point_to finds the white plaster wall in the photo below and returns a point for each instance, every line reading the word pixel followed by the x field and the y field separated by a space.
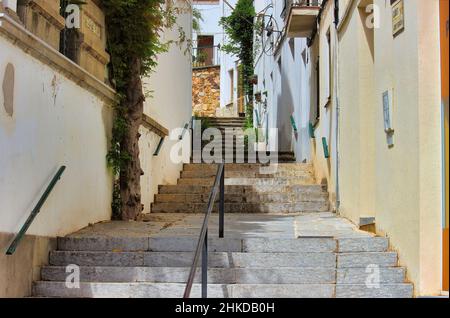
pixel 170 104
pixel 285 75
pixel 55 122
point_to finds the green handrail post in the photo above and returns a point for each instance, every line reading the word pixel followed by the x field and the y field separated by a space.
pixel 311 131
pixel 258 123
pixel 294 125
pixel 326 151
pixel 158 148
pixel 12 248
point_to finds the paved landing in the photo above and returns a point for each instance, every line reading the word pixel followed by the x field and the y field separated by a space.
pixel 236 226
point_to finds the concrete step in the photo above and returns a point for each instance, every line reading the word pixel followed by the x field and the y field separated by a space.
pixel 381 291
pixel 387 275
pixel 188 244
pixel 229 244
pixel 240 189
pixel 245 198
pixel 180 275
pixel 231 157
pixel 224 119
pixel 184 259
pixel 249 167
pixel 158 290
pixel 281 181
pixel 381 259
pixel 281 208
pixel 165 290
pixel 369 244
pixel 245 174
pixel 227 125
pixel 123 290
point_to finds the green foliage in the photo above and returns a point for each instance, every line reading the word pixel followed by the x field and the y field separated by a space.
pixel 239 27
pixel 133 32
pixel 204 121
pixel 196 19
pixel 201 57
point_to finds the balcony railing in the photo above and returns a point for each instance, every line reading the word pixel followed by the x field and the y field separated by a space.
pixel 205 56
pixel 288 4
pixel 300 16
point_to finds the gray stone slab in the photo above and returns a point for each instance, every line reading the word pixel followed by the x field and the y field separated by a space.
pixel 274 260
pixel 282 291
pixel 180 275
pixel 139 274
pixel 184 259
pixel 293 245
pixel 124 290
pixel 384 291
pixel 126 244
pixel 286 207
pixel 369 244
pixel 188 244
pixel 349 260
pixel 388 275
pixel 82 258
pixel 299 275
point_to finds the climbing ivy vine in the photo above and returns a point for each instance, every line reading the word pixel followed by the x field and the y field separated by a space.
pixel 134 42
pixel 239 27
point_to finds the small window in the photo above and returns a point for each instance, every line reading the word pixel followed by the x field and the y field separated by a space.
pixel 70 39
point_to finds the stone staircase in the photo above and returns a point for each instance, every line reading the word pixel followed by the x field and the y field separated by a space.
pixel 236 126
pixel 270 249
pixel 289 189
pixel 304 267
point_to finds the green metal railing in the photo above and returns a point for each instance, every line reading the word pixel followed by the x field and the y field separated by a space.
pixel 12 248
pixel 159 146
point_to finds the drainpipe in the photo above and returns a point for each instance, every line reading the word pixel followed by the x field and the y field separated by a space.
pixel 336 97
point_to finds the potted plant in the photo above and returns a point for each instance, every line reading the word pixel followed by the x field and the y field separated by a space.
pixel 254 80
pixel 258 97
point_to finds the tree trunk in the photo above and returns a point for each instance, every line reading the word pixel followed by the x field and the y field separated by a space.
pixel 130 175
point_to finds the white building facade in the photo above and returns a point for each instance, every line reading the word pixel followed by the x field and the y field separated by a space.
pixel 211 39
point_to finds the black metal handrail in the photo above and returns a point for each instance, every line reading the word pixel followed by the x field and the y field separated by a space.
pixel 202 245
pixel 12 248
pixel 288 4
pixel 205 56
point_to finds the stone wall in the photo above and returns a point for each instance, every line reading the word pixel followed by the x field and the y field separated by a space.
pixel 206 91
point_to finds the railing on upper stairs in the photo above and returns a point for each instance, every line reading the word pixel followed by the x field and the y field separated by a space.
pixel 13 246
pixel 202 245
pixel 205 56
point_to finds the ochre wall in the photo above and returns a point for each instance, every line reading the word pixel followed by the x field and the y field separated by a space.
pixel 206 91
pixel 444 18
pixel 401 185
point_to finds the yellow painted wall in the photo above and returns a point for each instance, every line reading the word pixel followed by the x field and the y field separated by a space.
pixel 444 18
pixel 325 169
pixel 356 96
pixel 401 186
